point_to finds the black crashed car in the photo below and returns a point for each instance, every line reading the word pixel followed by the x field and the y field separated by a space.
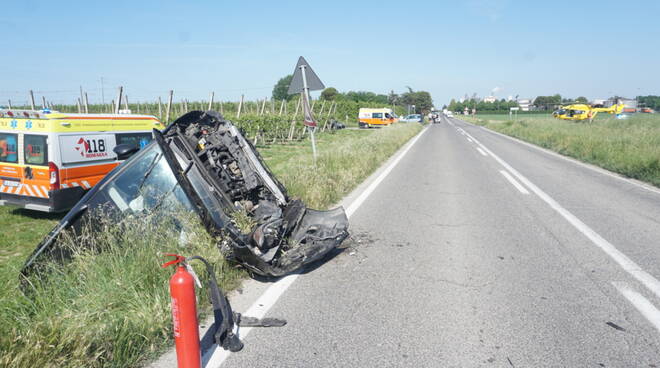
pixel 203 164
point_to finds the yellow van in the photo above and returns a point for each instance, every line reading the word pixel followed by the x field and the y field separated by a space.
pixel 376 117
pixel 48 160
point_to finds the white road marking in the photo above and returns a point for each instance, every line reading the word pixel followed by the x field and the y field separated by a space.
pixel 267 300
pixel 216 356
pixel 643 305
pixel 624 262
pixel 482 151
pixel 513 181
pixel 470 140
pixel 578 162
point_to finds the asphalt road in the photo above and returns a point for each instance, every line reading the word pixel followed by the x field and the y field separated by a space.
pixel 477 250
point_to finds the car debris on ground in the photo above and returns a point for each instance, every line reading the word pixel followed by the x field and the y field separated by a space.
pixel 202 163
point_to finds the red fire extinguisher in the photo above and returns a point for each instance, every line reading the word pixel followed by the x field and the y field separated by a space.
pixel 184 314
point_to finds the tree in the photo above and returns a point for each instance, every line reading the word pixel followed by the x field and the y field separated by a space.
pixel 329 93
pixel 281 89
pixel 421 99
pixel 364 96
pixel 393 98
pixel 650 101
pixel 581 99
pixel 546 102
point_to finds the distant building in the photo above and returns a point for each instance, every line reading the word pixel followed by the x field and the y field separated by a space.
pixel 525 104
pixel 490 99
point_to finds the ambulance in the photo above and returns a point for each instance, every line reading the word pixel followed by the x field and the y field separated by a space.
pixel 48 159
pixel 376 117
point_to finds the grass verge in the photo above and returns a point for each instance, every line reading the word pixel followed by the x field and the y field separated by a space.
pixel 630 147
pixel 111 309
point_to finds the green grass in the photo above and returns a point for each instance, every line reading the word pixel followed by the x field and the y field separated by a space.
pixel 111 309
pixel 629 147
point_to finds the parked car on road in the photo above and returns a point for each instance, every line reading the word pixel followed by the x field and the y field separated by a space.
pixel 412 118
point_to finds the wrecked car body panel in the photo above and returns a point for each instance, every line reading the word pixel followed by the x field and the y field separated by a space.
pixel 202 163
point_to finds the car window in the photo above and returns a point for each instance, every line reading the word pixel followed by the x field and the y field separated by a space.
pixel 147 184
pixel 8 148
pixel 139 140
pixel 377 115
pixel 35 149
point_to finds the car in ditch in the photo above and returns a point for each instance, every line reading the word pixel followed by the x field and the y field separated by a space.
pixel 202 163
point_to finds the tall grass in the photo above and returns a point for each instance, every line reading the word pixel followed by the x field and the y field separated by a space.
pixel 630 147
pixel 107 309
pixel 345 159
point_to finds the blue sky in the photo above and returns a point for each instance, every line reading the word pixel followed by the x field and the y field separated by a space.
pixel 449 48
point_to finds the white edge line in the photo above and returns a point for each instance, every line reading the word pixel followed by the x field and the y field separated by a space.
pixel 482 151
pixel 643 305
pixel 626 263
pixel 215 357
pixel 597 169
pixel 513 181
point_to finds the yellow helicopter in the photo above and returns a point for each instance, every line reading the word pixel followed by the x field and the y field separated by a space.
pixel 580 112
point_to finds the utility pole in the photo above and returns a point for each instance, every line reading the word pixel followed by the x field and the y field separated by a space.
pixel 211 101
pixel 160 109
pixel 169 107
pixel 31 100
pixel 118 100
pixel 240 106
pixel 306 91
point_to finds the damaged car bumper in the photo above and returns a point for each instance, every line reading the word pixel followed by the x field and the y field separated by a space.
pixel 202 163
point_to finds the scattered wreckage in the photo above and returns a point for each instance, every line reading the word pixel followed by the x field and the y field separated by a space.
pixel 202 162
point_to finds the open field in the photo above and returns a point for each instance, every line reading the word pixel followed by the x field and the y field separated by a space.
pixel 112 309
pixel 629 147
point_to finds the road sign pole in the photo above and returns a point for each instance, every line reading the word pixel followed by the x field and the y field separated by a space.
pixel 311 129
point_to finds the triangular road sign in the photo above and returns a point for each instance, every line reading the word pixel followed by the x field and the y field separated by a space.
pixel 313 81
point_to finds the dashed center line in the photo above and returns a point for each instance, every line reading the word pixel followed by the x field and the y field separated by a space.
pixel 643 305
pixel 514 182
pixel 482 151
